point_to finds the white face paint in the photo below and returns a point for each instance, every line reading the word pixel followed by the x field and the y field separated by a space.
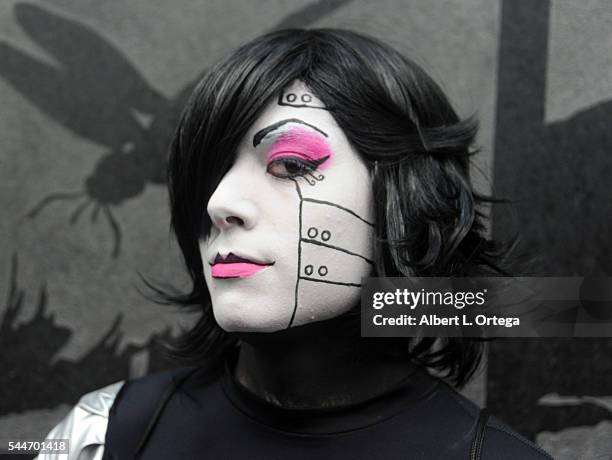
pixel 294 214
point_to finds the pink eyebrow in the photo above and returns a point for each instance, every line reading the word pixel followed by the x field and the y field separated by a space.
pixel 303 143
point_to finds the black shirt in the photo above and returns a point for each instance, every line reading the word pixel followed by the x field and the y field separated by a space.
pixel 182 414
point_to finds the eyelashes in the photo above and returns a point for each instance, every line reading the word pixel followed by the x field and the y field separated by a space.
pixel 291 167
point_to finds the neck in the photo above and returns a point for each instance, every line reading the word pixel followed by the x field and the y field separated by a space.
pixel 322 364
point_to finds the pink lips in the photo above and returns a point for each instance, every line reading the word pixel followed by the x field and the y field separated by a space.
pixel 233 266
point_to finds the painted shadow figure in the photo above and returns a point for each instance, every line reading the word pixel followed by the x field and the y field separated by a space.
pixel 33 376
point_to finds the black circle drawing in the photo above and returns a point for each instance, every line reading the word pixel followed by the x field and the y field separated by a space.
pixel 291 97
pixel 308 269
pixel 312 232
pixel 325 235
pixel 306 98
pixel 322 270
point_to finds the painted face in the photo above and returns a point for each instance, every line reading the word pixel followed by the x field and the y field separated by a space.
pixel 292 222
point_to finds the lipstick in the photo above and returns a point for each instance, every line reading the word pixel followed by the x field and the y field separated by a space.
pixel 233 266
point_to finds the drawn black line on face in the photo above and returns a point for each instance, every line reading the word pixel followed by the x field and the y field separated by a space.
pixel 300 99
pixel 328 282
pixel 299 262
pixel 309 269
pixel 329 203
pixel 313 178
pixel 262 133
pixel 337 248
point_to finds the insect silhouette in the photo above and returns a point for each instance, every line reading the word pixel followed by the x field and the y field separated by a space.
pixel 96 92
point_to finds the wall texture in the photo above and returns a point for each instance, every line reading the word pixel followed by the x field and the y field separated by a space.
pixel 90 93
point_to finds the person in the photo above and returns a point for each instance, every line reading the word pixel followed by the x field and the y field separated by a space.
pixel 302 163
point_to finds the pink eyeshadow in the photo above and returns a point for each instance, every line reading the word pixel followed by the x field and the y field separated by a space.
pixel 303 143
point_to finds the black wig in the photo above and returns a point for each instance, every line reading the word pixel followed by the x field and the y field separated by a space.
pixel 429 220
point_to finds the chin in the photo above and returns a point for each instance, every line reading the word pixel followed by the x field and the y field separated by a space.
pixel 233 319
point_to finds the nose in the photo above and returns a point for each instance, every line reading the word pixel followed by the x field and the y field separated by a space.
pixel 231 205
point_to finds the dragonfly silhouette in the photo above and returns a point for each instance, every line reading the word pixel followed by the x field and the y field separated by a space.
pixel 95 92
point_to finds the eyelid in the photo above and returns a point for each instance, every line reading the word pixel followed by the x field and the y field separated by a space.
pixel 305 149
pixel 289 154
pixel 313 163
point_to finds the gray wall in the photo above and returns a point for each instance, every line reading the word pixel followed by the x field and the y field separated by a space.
pixel 90 90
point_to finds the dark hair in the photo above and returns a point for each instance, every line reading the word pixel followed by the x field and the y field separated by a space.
pixel 428 217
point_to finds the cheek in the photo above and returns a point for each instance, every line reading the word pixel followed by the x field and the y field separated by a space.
pixel 264 302
pixel 336 253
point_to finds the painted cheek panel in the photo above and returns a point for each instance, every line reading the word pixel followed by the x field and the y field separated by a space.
pixel 328 266
pixel 339 229
pixel 325 301
pixel 329 272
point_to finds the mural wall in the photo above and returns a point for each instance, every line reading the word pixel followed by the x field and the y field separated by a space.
pixel 90 94
pixel 553 155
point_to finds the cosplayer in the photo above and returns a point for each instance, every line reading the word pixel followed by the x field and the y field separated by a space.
pixel 305 161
